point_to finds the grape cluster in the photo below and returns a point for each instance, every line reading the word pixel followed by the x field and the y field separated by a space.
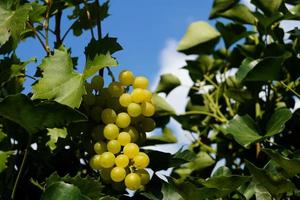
pixel 122 113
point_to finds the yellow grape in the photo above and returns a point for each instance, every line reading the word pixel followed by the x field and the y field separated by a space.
pixel 95 162
pixel 140 82
pixel 122 160
pixel 137 95
pixel 125 99
pixel 113 146
pixel 147 95
pixel 115 89
pixel 108 116
pixel 134 109
pixel 126 77
pixel 145 176
pixel 118 174
pixel 107 160
pixel 123 120
pixel 97 82
pixel 111 131
pixel 133 181
pixel 124 138
pixel 148 109
pixel 141 160
pixel 100 147
pixel 131 150
pixel 134 134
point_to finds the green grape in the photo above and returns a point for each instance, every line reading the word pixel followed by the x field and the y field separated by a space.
pixel 145 177
pixel 100 147
pixel 124 138
pixel 125 99
pixel 115 89
pixel 105 175
pixel 141 160
pixel 97 133
pixel 113 146
pixel 148 109
pixel 96 113
pixel 89 99
pixel 108 116
pixel 118 186
pixel 134 134
pixel 111 131
pixel 137 95
pixel 97 82
pixel 126 77
pixel 118 174
pixel 114 104
pixel 88 88
pixel 95 162
pixel 147 124
pixel 134 109
pixel 133 181
pixel 140 82
pixel 123 120
pixel 142 138
pixel 107 160
pixel 122 160
pixel 131 150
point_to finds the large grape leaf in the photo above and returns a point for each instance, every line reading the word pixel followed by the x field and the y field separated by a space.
pixel 61 191
pixel 37 116
pixel 13 22
pixel 277 121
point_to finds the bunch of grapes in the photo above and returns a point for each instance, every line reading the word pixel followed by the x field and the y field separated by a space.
pixel 122 113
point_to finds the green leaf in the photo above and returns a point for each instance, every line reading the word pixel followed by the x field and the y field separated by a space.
pixel 239 13
pixel 229 183
pixel 200 37
pixel 261 193
pixel 103 46
pixel 169 192
pixel 39 11
pixel 60 81
pixel 243 129
pixel 2 135
pixel 277 121
pixel 37 116
pixel 162 107
pixel 167 83
pixel 54 134
pixel 4 155
pixel 108 198
pixel 220 6
pixel 247 65
pixel 291 166
pixel 61 191
pixel 181 157
pixel 275 187
pixel 13 23
pixel 268 6
pixel 222 171
pixel 167 136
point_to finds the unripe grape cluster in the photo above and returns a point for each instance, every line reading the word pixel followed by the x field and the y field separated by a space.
pixel 122 114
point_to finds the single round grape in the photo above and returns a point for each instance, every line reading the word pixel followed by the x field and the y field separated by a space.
pixel 88 88
pixel 147 124
pixel 137 95
pixel 134 134
pixel 133 181
pixel 115 89
pixel 100 147
pixel 111 131
pixel 123 120
pixel 108 116
pixel 96 113
pixel 131 150
pixel 147 95
pixel 124 138
pixel 113 146
pixel 97 82
pixel 148 109
pixel 89 99
pixel 103 97
pixel 97 133
pixel 95 162
pixel 107 160
pixel 140 82
pixel 126 77
pixel 141 160
pixel 122 160
pixel 118 174
pixel 134 109
pixel 145 176
pixel 125 99
pixel 114 104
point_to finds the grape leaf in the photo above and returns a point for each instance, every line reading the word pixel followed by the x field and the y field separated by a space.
pixel 61 191
pixel 54 134
pixel 3 159
pixel 34 116
pixel 167 83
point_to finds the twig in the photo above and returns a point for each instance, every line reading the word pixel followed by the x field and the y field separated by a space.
pixel 289 88
pixel 98 22
pixel 111 74
pixel 38 37
pixel 57 28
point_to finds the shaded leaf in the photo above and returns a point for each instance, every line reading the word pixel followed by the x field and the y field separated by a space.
pixel 229 183
pixel 268 6
pixel 167 136
pixel 222 171
pixel 61 191
pixel 277 121
pixel 4 155
pixel 200 37
pixel 243 129
pixel 181 157
pixel 162 107
pixel 234 14
pixel 169 192
pixel 167 83
pixel 37 116
pixel 54 134
pixel 220 6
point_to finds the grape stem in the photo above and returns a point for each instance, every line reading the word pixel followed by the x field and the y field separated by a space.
pixel 111 74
